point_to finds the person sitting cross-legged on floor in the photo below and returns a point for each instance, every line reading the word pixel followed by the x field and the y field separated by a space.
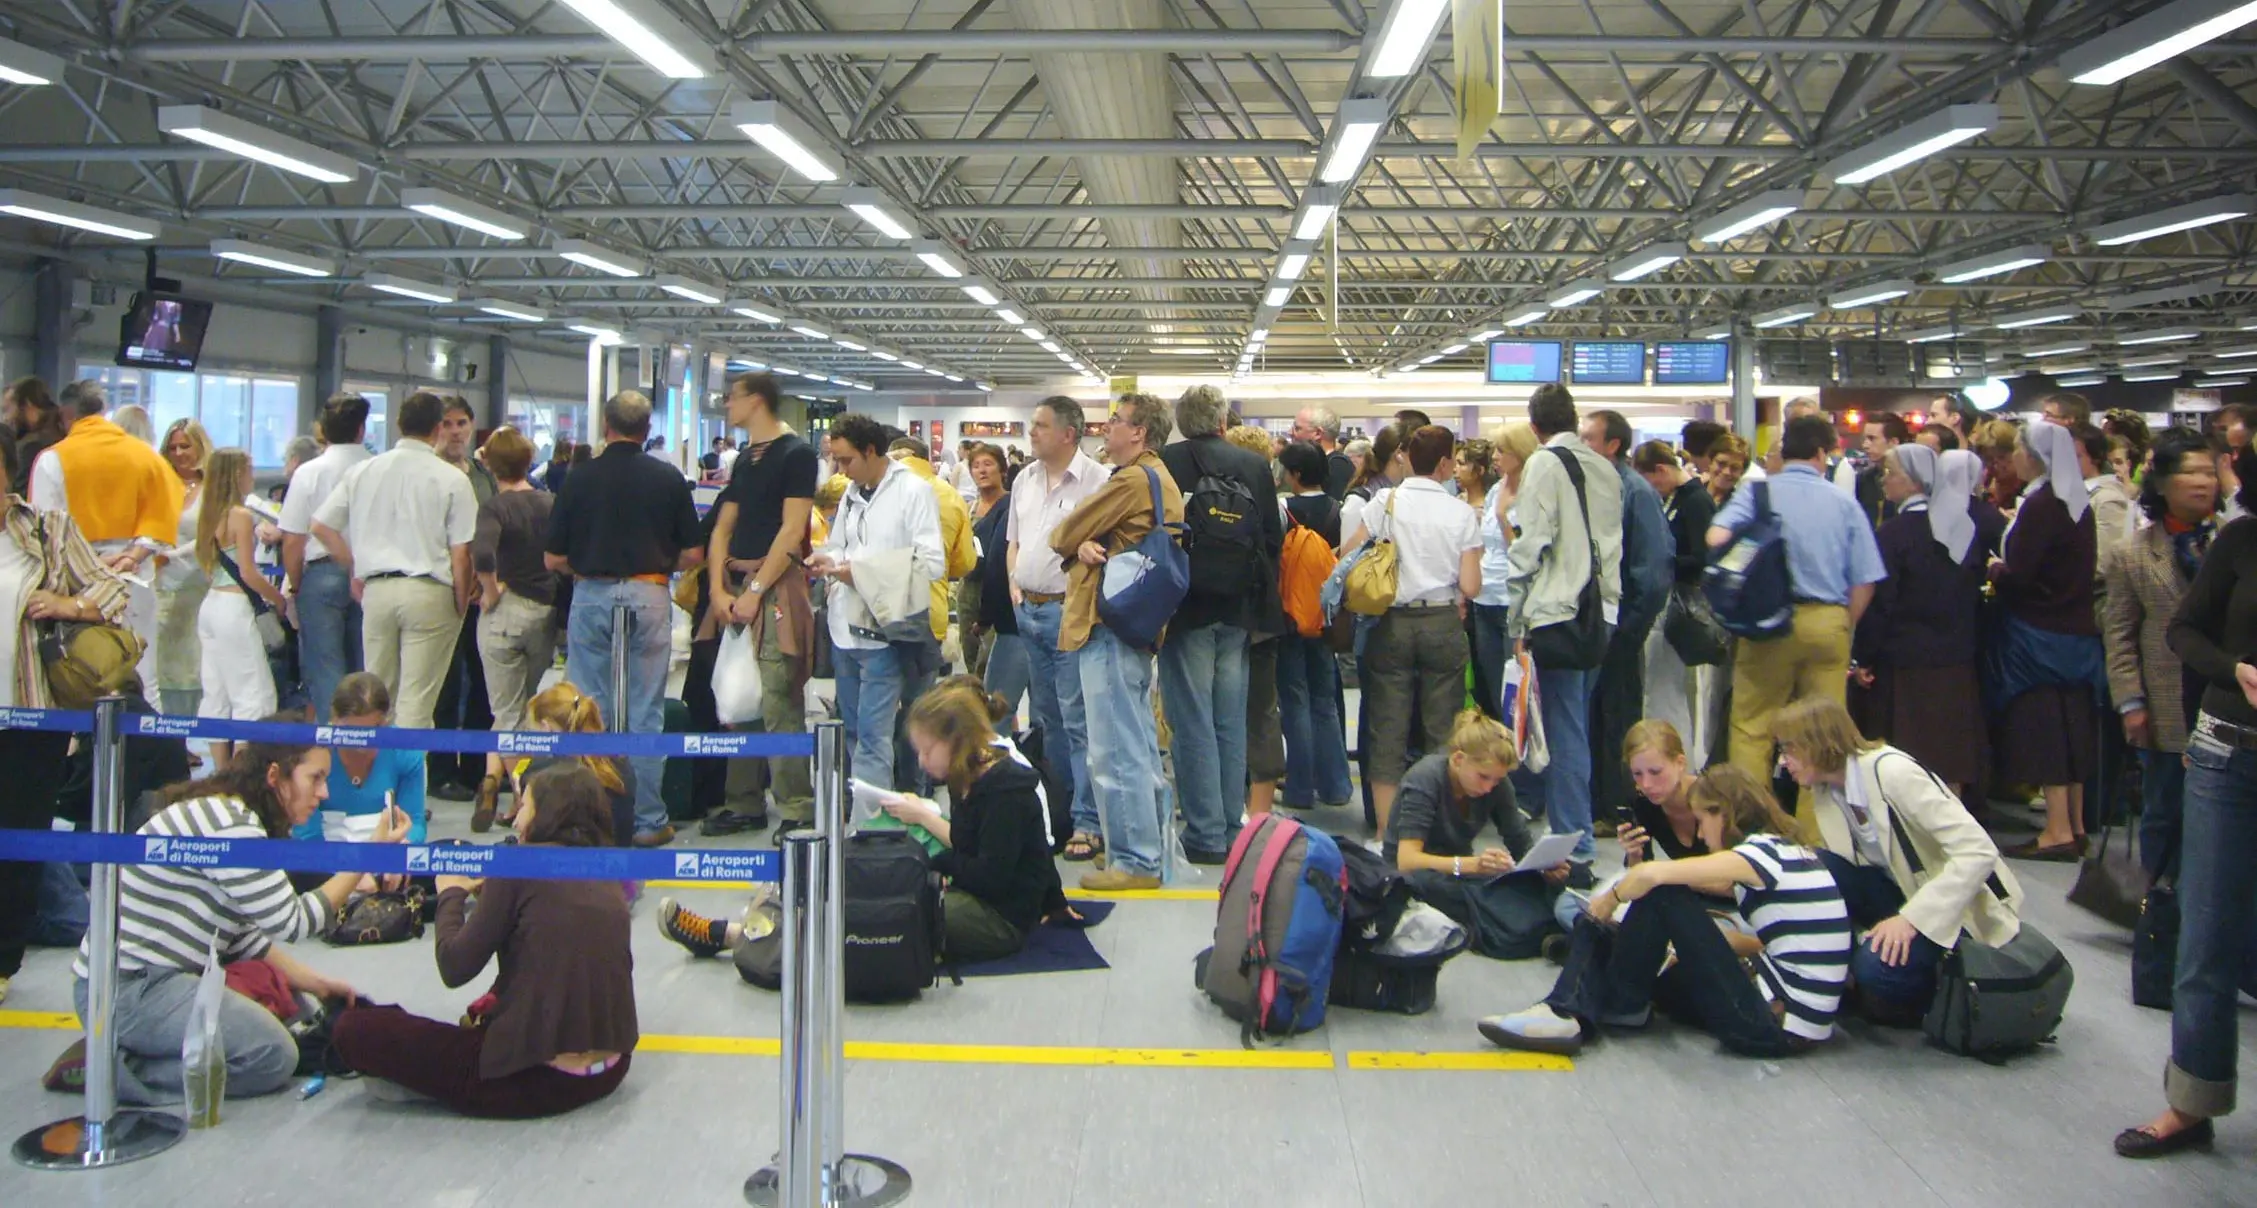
pixel 558 1029
pixel 1445 799
pixel 1615 975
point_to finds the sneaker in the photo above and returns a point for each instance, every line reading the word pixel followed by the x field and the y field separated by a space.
pixel 701 935
pixel 655 838
pixel 1539 1029
pixel 68 1074
pixel 1114 880
pixel 730 822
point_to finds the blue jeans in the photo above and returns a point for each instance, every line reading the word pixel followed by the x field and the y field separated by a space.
pixel 1054 684
pixel 1564 787
pixel 650 645
pixel 2217 921
pixel 1308 705
pixel 1614 974
pixel 1124 752
pixel 1872 896
pixel 2162 784
pixel 1008 672
pixel 1203 685
pixel 150 1021
pixel 328 631
pixel 869 692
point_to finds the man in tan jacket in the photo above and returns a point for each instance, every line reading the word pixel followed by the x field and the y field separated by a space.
pixel 1116 679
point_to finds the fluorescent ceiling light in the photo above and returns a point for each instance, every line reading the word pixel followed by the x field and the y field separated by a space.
pixel 911 365
pixel 2163 34
pixel 1354 129
pixel 938 259
pixel 1866 295
pixel 1295 261
pixel 1403 39
pixel 862 385
pixel 983 385
pixel 2079 367
pixel 1453 350
pixel 2152 377
pixel 504 308
pixel 883 356
pixel 1994 265
pixel 463 212
pixel 597 257
pixel 2079 383
pixel 691 288
pixel 1576 294
pixel 786 369
pixel 1784 316
pixel 812 333
pixel 1525 318
pixel 600 334
pixel 1929 335
pixel 753 312
pixel 850 345
pixel 2160 335
pixel 1911 143
pixel 786 137
pixel 2150 362
pixel 247 252
pixel 2173 220
pixel 1318 207
pixel 1759 211
pixel 408 287
pixel 740 364
pixel 936 371
pixel 2017 320
pixel 814 377
pixel 954 377
pixel 28 66
pixel 1648 262
pixel 871 206
pixel 1051 347
pixel 2169 293
pixel 1714 333
pixel 2224 381
pixel 2228 354
pixel 254 142
pixel 647 31
pixel 1279 295
pixel 980 294
pixel 1482 337
pixel 1033 333
pixel 1010 316
pixel 1429 360
pixel 2058 351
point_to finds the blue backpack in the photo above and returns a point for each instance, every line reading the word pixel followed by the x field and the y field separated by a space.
pixel 1142 586
pixel 1277 928
pixel 1747 582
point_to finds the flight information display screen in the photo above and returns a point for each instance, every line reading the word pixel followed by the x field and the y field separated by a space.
pixel 1607 362
pixel 1693 363
pixel 1517 361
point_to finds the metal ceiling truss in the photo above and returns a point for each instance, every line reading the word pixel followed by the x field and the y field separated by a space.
pixel 1620 129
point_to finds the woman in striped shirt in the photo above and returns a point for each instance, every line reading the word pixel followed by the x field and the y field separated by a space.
pixel 170 917
pixel 1780 1001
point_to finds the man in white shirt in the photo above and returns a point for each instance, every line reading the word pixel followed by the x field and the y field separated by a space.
pixel 400 525
pixel 1550 562
pixel 887 510
pixel 321 591
pixel 1047 491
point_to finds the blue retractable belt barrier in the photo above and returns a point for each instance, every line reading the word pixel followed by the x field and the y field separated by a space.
pixel 512 861
pixel 390 738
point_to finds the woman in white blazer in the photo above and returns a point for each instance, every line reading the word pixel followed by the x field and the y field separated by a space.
pixel 1911 908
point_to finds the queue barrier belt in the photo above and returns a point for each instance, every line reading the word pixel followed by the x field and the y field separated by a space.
pixel 529 743
pixel 509 861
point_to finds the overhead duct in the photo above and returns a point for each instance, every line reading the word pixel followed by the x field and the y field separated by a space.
pixel 1115 95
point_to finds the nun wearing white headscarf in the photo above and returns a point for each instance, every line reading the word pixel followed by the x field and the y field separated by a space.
pixel 1915 683
pixel 2046 665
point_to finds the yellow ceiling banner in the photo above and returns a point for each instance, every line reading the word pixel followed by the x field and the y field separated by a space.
pixel 1477 46
pixel 1122 383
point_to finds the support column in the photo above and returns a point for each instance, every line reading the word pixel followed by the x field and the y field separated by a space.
pixel 497 382
pixel 51 352
pixel 595 394
pixel 328 356
pixel 1743 387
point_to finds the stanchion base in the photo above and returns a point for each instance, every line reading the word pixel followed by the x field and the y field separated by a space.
pixel 864 1182
pixel 130 1136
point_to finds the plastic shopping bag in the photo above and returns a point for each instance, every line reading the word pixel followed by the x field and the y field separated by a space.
pixel 736 677
pixel 203 1057
pixel 1523 714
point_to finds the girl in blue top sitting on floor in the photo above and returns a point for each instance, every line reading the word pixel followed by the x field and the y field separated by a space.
pixel 363 781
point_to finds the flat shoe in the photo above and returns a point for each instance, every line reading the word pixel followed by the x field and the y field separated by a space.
pixel 2140 1143
pixel 482 813
pixel 2052 853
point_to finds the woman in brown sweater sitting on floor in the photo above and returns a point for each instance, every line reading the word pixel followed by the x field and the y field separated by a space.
pixel 557 1030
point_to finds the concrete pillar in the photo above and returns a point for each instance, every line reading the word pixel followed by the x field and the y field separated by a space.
pixel 52 357
pixel 497 382
pixel 1743 386
pixel 328 361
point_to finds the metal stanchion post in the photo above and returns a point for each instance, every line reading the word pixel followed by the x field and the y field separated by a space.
pixel 814 1032
pixel 620 619
pixel 104 1136
pixel 795 1179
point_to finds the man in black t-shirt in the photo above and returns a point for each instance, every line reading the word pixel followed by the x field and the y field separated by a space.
pixel 757 576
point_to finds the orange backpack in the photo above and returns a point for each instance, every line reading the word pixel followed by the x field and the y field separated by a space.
pixel 1303 564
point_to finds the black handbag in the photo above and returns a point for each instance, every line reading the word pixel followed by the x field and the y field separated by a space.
pixel 2112 884
pixel 2155 947
pixel 391 917
pixel 1689 625
pixel 1580 642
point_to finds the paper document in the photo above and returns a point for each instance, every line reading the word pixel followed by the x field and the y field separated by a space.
pixel 1548 853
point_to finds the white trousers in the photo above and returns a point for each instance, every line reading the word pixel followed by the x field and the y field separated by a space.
pixel 238 683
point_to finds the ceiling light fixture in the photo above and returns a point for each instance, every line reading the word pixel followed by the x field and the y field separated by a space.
pixel 1784 316
pixel 606 336
pixel 1355 127
pixel 871 206
pixel 2079 382
pixel 911 365
pixel 2174 220
pixel 1759 211
pixel 1911 143
pixel 2150 362
pixel 1483 337
pixel 647 31
pixel 463 212
pixel 849 345
pixel 2016 320
pixel 1404 37
pixel 28 66
pixel 1278 296
pixel 255 142
pixel 1866 295
pixel 752 311
pixel 786 137
pixel 408 287
pixel 2061 350
pixel 506 309
pixel 1033 333
pixel 980 293
pixel 1295 261
pixel 1010 316
pixel 812 333
pixel 938 258
pixel 1318 207
pixel 1930 335
pixel 1454 349
pixel 246 252
pixel 2228 354
pixel 1526 317
pixel 2160 335
pixel 1996 264
pixel 2165 33
pixel 2212 383
pixel 1714 333
pixel 883 355
pixel 1648 262
pixel 2172 376
pixel 597 257
pixel 1576 294
pixel 691 288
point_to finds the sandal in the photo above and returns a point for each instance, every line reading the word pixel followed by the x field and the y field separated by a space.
pixel 482 814
pixel 1083 847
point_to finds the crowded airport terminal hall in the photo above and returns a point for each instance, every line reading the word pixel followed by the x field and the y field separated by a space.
pixel 1128 603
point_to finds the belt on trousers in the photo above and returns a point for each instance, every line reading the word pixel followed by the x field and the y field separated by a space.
pixel 393 574
pixel 1043 597
pixel 2239 737
pixel 1420 605
pixel 659 580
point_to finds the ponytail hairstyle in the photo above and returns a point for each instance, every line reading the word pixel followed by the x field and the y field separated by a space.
pixel 1748 805
pixel 1000 714
pixel 1484 740
pixel 570 807
pixel 959 717
pixel 567 710
pixel 245 779
pixel 1653 734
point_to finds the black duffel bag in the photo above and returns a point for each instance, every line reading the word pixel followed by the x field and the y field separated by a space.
pixel 891 896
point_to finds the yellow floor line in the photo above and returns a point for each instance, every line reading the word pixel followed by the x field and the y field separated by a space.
pixel 1085 1056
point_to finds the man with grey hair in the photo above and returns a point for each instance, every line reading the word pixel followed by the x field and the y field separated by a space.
pixel 621 527
pixel 1116 678
pixel 1234 533
pixel 1320 426
pixel 1051 486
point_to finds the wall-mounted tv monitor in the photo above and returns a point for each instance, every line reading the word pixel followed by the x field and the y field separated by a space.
pixel 1607 362
pixel 1520 362
pixel 163 331
pixel 1693 363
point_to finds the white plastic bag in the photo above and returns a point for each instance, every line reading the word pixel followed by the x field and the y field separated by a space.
pixel 203 1056
pixel 1524 714
pixel 736 677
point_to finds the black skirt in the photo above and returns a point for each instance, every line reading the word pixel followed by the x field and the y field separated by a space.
pixel 2050 735
pixel 1934 714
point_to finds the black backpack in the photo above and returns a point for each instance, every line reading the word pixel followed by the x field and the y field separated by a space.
pixel 892 898
pixel 1223 533
pixel 1749 586
pixel 1377 896
pixel 1058 796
